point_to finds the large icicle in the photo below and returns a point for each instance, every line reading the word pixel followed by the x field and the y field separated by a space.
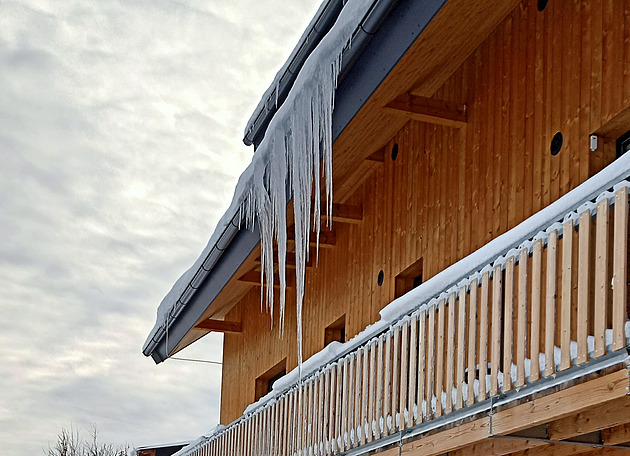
pixel 287 164
pixel 288 158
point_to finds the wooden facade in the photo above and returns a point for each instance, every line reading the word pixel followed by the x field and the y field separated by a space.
pixel 456 184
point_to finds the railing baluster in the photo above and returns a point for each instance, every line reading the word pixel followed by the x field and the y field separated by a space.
pixel 461 347
pixel 601 277
pixel 351 388
pixel 315 416
pixel 364 396
pixel 311 411
pixel 534 347
pixel 521 338
pixel 567 290
pixel 404 364
pixel 321 414
pixel 422 320
pixel 550 303
pixel 431 363
pixel 584 237
pixel 332 409
pixel 508 324
pixel 286 424
pixel 325 421
pixel 372 392
pixel 338 407
pixel 279 440
pixel 413 369
pixel 472 342
pixel 439 365
pixel 344 405
pixel 387 388
pixel 396 376
pixel 379 384
pixel 495 351
pixel 484 306
pixel 620 276
pixel 267 428
pixel 450 352
pixel 357 399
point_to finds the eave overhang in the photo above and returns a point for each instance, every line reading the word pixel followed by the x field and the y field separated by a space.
pixel 377 48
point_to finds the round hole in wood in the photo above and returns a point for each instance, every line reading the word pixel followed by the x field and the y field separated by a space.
pixel 381 277
pixel 556 143
pixel 395 151
pixel 542 4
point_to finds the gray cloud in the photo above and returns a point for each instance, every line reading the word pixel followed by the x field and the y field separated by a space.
pixel 120 145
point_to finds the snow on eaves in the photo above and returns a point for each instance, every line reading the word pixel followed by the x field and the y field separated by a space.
pixel 297 137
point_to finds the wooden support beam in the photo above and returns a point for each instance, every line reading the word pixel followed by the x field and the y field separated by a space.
pixel 616 434
pixel 447 441
pixel 290 260
pixel 555 450
pixel 378 156
pixel 253 278
pixel 345 213
pixel 496 447
pixel 575 399
pixel 327 238
pixel 220 326
pixel 428 110
pixel 601 416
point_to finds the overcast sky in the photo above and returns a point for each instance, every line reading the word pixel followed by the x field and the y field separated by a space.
pixel 120 145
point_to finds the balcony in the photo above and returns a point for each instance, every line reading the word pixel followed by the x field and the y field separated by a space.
pixel 537 310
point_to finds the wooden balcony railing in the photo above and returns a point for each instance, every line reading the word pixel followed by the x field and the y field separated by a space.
pixel 557 301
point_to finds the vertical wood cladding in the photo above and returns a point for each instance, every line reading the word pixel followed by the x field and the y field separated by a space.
pixel 450 191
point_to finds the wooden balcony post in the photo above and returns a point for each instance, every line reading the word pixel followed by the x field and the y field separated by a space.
pixel 620 273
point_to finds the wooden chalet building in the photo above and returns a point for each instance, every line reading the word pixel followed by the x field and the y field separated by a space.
pixel 472 294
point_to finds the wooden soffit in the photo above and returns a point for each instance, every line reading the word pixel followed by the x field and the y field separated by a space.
pixel 454 33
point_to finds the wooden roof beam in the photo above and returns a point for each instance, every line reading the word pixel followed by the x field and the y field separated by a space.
pixel 220 326
pixel 327 238
pixel 290 261
pixel 428 110
pixel 345 213
pixel 601 416
pixel 253 278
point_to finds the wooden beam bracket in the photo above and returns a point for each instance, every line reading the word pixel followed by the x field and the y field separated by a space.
pixel 428 110
pixel 220 326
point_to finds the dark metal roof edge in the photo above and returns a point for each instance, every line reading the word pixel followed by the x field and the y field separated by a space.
pixel 242 244
pixel 277 93
pixel 397 24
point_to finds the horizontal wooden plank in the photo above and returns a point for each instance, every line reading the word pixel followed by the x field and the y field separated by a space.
pixel 616 434
pixel 496 447
pixel 555 449
pixel 290 260
pixel 220 326
pixel 253 278
pixel 327 238
pixel 345 213
pixel 561 404
pixel 449 440
pixel 429 110
pixel 601 416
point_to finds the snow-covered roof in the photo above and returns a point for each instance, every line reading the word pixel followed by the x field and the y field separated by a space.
pixel 260 194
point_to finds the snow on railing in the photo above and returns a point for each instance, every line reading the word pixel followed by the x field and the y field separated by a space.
pixel 559 295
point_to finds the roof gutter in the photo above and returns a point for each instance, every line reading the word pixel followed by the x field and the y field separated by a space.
pixel 206 266
pixel 277 93
pixel 406 22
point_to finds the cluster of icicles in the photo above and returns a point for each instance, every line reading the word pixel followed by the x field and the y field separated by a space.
pixel 295 153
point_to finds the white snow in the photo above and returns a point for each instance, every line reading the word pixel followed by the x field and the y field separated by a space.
pixel 298 136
